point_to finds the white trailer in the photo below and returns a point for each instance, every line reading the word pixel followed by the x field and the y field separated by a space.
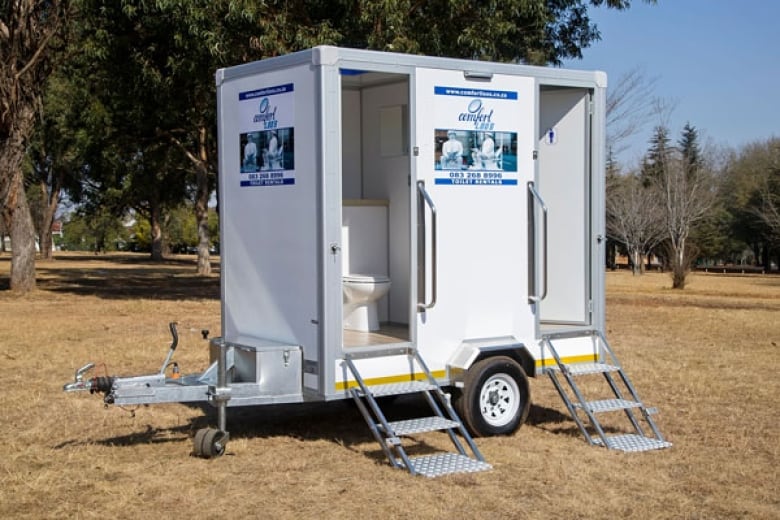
pixel 394 223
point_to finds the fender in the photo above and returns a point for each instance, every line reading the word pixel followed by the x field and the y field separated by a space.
pixel 472 350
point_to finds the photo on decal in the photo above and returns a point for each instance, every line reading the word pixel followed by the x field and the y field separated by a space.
pixel 267 150
pixel 475 150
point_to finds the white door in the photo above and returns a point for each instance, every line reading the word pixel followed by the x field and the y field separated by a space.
pixel 563 182
pixel 475 141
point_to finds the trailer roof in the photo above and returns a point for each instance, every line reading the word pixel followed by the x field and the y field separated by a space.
pixel 359 59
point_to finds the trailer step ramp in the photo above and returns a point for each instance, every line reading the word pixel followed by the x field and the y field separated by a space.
pixel 390 434
pixel 645 436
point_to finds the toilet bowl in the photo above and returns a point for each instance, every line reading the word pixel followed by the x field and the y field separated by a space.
pixel 362 293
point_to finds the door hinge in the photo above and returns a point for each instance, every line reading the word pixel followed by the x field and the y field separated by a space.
pixel 536 154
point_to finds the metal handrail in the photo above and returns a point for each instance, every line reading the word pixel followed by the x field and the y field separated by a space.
pixel 421 281
pixel 538 198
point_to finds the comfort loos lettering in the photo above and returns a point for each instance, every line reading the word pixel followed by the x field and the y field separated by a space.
pixel 477 114
pixel 267 116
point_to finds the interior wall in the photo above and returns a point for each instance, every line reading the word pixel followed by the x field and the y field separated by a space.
pixel 386 175
pixel 351 145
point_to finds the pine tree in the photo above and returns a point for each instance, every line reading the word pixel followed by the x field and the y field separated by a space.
pixel 690 150
pixel 657 157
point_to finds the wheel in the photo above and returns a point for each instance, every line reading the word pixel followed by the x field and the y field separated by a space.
pixel 495 398
pixel 209 443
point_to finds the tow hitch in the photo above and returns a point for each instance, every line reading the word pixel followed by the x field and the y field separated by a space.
pixel 209 386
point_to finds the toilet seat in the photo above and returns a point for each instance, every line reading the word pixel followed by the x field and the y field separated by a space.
pixel 365 278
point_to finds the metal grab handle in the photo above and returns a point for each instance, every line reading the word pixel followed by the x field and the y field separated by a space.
pixel 424 199
pixel 174 343
pixel 535 197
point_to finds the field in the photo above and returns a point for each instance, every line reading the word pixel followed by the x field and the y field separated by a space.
pixel 705 357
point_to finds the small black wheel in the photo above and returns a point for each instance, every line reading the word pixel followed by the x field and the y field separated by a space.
pixel 209 443
pixel 495 399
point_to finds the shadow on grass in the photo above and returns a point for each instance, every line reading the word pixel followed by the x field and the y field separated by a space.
pixel 127 277
pixel 338 422
pixel 151 435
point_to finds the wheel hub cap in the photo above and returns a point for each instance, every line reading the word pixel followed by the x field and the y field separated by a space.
pixel 499 400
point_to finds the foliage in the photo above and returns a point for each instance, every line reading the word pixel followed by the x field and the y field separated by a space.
pixel 536 32
pixel 751 195
pixel 97 232
pixel 128 122
pixel 181 229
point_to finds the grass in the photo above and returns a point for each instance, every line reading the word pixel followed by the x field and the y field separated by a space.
pixel 706 357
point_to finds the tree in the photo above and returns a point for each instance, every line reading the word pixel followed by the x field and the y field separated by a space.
pixel 53 155
pixel 151 65
pixel 750 196
pixel 144 82
pixel 769 191
pixel 629 106
pixel 633 217
pixel 540 32
pixel 97 232
pixel 28 29
pixel 685 190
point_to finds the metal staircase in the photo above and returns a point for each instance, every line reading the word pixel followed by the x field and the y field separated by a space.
pixel 389 434
pixel 623 397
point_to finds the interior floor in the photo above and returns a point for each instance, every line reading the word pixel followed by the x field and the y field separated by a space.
pixel 388 333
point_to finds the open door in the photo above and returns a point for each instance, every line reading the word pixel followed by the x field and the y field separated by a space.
pixel 475 136
pixel 564 185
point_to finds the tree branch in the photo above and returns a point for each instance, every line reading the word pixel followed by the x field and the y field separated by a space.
pixel 38 52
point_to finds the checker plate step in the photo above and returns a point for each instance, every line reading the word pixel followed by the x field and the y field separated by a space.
pixel 420 425
pixel 446 464
pixel 609 405
pixel 408 387
pixel 633 443
pixel 588 368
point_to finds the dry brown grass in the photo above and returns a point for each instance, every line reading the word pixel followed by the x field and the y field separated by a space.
pixel 705 357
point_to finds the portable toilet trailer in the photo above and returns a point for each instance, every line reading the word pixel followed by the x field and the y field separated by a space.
pixel 393 224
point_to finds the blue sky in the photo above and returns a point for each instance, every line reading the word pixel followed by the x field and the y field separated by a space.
pixel 718 60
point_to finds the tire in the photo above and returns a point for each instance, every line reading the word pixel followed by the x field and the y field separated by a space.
pixel 495 399
pixel 209 443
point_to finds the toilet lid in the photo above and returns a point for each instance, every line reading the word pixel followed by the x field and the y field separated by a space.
pixel 366 278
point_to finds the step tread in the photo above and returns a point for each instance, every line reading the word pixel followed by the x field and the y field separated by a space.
pixel 407 387
pixel 421 425
pixel 609 405
pixel 633 443
pixel 588 368
pixel 440 464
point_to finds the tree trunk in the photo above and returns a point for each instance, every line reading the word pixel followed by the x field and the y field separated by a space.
pixel 15 211
pixel 678 278
pixel 157 238
pixel 679 266
pixel 202 206
pixel 765 257
pixel 636 262
pixel 45 241
pixel 22 245
pixel 50 195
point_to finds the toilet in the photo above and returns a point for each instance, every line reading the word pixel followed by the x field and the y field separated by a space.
pixel 362 293
pixel 364 262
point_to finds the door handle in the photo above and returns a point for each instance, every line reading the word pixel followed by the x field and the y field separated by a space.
pixel 424 199
pixel 534 199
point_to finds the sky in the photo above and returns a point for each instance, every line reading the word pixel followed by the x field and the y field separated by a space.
pixel 716 61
